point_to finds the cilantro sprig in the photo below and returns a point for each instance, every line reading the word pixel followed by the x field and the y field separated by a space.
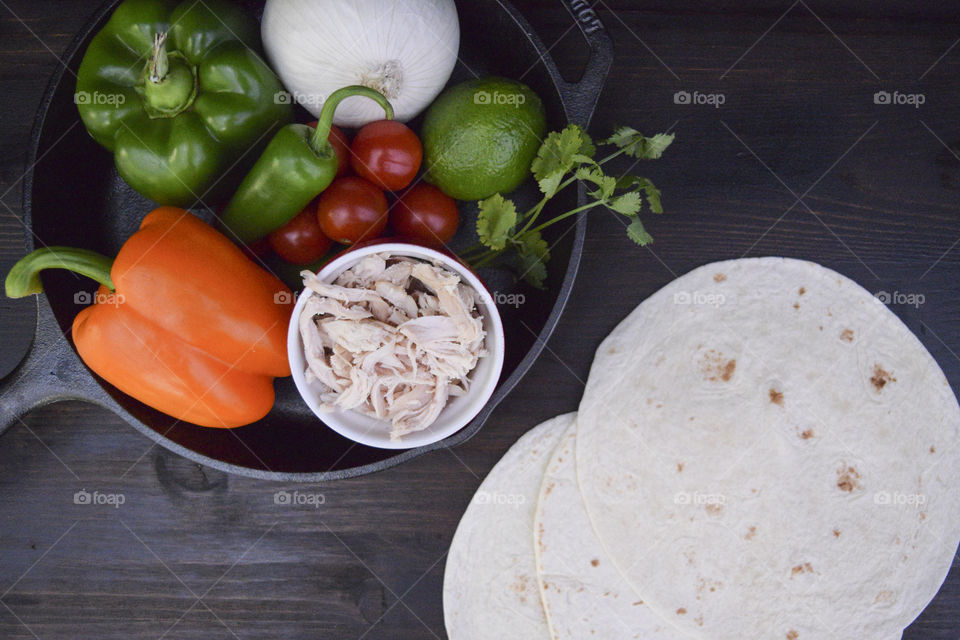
pixel 566 157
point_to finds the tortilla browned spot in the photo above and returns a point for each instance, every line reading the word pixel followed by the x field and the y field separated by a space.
pixel 847 478
pixel 880 378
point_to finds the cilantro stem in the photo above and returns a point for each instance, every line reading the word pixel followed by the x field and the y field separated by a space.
pixel 489 256
pixel 533 214
pixel 562 216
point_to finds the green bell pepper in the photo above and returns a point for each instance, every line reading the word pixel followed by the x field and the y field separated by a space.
pixel 297 165
pixel 180 94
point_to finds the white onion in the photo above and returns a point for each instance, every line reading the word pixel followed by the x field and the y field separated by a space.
pixel 406 49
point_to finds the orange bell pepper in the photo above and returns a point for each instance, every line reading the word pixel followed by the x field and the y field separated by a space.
pixel 183 320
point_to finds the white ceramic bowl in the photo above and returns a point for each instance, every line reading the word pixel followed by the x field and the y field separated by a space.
pixel 458 412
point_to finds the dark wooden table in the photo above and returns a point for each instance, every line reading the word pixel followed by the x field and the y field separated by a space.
pixel 799 160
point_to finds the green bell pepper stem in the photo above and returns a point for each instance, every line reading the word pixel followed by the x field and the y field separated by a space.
pixel 159 62
pixel 319 142
pixel 297 165
pixel 170 82
pixel 24 278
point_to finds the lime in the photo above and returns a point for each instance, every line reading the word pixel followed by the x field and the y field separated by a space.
pixel 480 136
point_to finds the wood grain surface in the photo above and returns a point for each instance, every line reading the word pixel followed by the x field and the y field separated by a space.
pixel 799 160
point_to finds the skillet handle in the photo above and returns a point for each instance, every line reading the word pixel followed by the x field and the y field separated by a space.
pixel 580 98
pixel 51 371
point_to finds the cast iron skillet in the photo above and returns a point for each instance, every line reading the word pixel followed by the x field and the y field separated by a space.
pixel 72 196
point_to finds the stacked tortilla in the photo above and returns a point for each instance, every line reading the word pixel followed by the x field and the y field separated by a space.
pixel 763 450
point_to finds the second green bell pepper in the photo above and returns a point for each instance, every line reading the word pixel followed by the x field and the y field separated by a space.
pixel 179 93
pixel 297 165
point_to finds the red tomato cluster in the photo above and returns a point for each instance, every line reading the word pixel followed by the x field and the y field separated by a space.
pixel 384 156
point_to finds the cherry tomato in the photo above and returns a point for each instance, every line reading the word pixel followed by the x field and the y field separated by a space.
pixel 425 213
pixel 341 144
pixel 351 210
pixel 387 153
pixel 301 241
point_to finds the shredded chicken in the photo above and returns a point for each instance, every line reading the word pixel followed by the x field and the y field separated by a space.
pixel 393 338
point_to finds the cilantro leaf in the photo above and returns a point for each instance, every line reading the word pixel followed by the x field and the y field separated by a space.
pixel 532 256
pixel 628 204
pixel 606 185
pixel 588 173
pixel 637 233
pixel 652 193
pixel 497 218
pixel 557 156
pixel 637 145
pixel 550 184
pixel 587 149
pixel 623 137
pixel 533 243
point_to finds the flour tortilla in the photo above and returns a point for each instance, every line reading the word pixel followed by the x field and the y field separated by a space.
pixel 489 586
pixel 584 596
pixel 766 451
